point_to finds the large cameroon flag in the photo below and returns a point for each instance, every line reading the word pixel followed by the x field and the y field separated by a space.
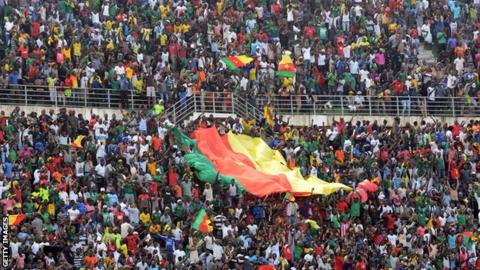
pixel 256 167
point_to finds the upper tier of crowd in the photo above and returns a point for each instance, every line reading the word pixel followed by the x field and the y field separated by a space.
pixel 172 48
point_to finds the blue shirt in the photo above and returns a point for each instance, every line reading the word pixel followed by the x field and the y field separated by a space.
pixel 8 170
pixel 12 78
pixel 81 208
pixel 170 243
pixel 112 198
pixel 452 241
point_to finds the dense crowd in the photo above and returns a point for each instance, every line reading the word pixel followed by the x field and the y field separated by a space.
pixel 173 49
pixel 122 196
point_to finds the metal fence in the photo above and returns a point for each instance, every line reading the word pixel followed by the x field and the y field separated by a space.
pixel 213 103
pixel 35 95
pixel 373 105
pixel 31 95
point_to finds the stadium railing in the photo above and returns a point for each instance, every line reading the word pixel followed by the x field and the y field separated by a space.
pixel 34 95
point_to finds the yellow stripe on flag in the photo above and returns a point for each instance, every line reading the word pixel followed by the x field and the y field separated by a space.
pixel 271 161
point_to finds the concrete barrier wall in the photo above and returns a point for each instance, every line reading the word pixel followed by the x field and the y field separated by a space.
pixel 85 111
pixel 306 120
pixel 297 120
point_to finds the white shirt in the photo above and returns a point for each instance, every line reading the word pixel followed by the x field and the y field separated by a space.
pixel 306 53
pixel 459 64
pixel 217 251
pixel 321 59
pixel 179 255
pixel 232 190
pixel 100 170
pixel 208 193
pixel 124 228
pixel 73 214
pixel 290 15
pixel 95 18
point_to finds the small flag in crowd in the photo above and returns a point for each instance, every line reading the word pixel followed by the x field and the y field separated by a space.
pixel 286 68
pixel 78 142
pixel 236 62
pixel 202 223
pixel 15 219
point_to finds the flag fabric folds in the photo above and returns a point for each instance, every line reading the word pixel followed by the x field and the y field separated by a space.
pixel 204 169
pixel 14 220
pixel 202 222
pixel 236 62
pixel 249 162
pixel 286 68
pixel 268 160
pixel 238 166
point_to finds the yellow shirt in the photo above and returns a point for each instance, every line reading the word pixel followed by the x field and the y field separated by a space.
pixel 146 33
pixel 51 209
pixel 67 53
pixel 23 38
pixel 129 73
pixel 138 84
pixel 253 74
pixel 77 48
pixel 109 24
pixel 51 81
pixel 164 11
pixel 392 27
pixel 145 218
pixel 163 40
pixel 220 7
pixel 124 250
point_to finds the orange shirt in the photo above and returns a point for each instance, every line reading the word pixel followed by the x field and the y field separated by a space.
pixel 340 156
pixel 178 191
pixel 460 52
pixel 156 143
pixel 152 168
pixel 91 260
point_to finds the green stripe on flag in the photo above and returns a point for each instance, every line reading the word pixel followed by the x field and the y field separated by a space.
pixel 204 168
pixel 286 74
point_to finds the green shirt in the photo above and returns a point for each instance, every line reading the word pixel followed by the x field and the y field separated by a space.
pixel 461 219
pixel 355 209
pixel 129 188
pixel 179 211
pixel 12 156
pixel 441 38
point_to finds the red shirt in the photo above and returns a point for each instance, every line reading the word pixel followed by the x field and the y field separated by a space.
pixel 119 216
pixel 338 263
pixel 276 9
pixel 456 130
pixel 390 222
pixel 172 49
pixel 342 206
pixel 132 242
pixel 23 52
pixel 398 87
pixel 35 29
pixel 309 31
pixel 172 177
